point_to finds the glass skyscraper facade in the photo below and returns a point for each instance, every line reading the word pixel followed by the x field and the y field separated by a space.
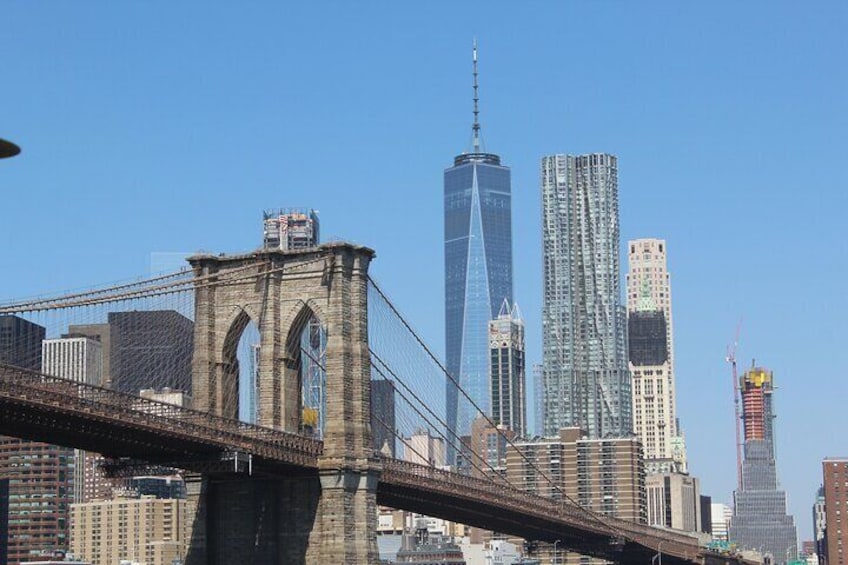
pixel 478 275
pixel 585 376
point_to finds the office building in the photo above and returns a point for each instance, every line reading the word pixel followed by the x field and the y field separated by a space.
pixel 651 354
pixel 20 342
pixel 819 521
pixel 40 494
pixel 603 475
pixel 506 369
pixel 760 522
pixel 79 359
pixel 538 402
pixel 383 415
pixel 101 334
pixel 287 229
pixel 150 349
pixel 835 481
pixel 489 444
pixel 143 529
pixel 674 501
pixel 143 349
pixel 706 514
pixel 4 521
pixel 586 379
pixel 721 515
pixel 809 552
pixel 478 271
pixel 40 475
pixel 425 449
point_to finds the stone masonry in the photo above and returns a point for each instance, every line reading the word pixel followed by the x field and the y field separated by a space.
pixel 328 518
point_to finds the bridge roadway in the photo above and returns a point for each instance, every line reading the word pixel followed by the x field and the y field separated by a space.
pixel 43 408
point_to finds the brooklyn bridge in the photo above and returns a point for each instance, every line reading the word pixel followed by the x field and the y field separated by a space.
pixel 269 489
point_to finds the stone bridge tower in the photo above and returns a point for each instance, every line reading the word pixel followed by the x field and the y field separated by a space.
pixel 326 517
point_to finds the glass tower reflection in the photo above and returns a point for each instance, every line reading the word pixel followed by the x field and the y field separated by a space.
pixel 478 275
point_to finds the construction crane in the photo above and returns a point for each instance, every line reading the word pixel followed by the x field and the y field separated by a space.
pixel 731 358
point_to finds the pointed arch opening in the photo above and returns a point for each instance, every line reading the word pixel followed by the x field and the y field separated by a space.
pixel 240 369
pixel 306 354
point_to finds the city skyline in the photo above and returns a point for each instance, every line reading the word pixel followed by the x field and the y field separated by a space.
pixel 716 138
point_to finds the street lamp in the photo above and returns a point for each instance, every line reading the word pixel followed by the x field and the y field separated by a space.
pixel 8 149
pixel 658 556
pixel 791 551
pixel 556 555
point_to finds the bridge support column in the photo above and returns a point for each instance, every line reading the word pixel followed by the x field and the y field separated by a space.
pixel 297 521
pixel 345 530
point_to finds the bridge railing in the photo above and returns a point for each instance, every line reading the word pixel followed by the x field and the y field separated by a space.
pixel 36 387
pixel 499 494
pixel 482 489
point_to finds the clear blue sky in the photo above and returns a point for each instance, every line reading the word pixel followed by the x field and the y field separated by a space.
pixel 162 126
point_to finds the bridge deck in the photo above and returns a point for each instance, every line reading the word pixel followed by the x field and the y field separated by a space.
pixel 39 407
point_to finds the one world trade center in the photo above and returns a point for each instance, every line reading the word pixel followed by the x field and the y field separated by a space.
pixel 478 272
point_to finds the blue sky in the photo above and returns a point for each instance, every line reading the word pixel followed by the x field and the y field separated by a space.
pixel 157 126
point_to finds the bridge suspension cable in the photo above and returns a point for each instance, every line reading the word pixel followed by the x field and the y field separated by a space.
pixel 380 297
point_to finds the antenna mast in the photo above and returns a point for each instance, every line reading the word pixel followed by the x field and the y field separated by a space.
pixel 476 127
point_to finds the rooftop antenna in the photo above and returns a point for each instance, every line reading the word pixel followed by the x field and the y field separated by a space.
pixel 476 127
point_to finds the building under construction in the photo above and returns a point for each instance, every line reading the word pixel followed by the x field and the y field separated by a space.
pixel 760 521
pixel 290 228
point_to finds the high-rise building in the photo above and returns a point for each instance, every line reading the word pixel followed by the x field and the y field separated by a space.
pixel 506 369
pixel 40 475
pixel 819 521
pixel 4 521
pixel 759 521
pixel 425 449
pixel 79 359
pixel 586 380
pixel 383 414
pixel 835 481
pixel 40 494
pixel 290 228
pixel 538 401
pixel 721 515
pixel 100 333
pixel 142 529
pixel 20 342
pixel 674 501
pixel 478 271
pixel 706 514
pixel 651 353
pixel 489 445
pixel 603 475
pixel 150 349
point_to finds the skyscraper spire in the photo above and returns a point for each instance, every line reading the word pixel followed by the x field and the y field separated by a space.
pixel 476 127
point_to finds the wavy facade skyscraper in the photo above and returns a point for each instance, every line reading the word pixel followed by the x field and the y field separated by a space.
pixel 586 380
pixel 478 269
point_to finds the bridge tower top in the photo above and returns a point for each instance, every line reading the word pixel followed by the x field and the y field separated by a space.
pixel 281 291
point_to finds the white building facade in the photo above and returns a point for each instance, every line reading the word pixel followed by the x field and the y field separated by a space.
pixel 79 359
pixel 651 355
